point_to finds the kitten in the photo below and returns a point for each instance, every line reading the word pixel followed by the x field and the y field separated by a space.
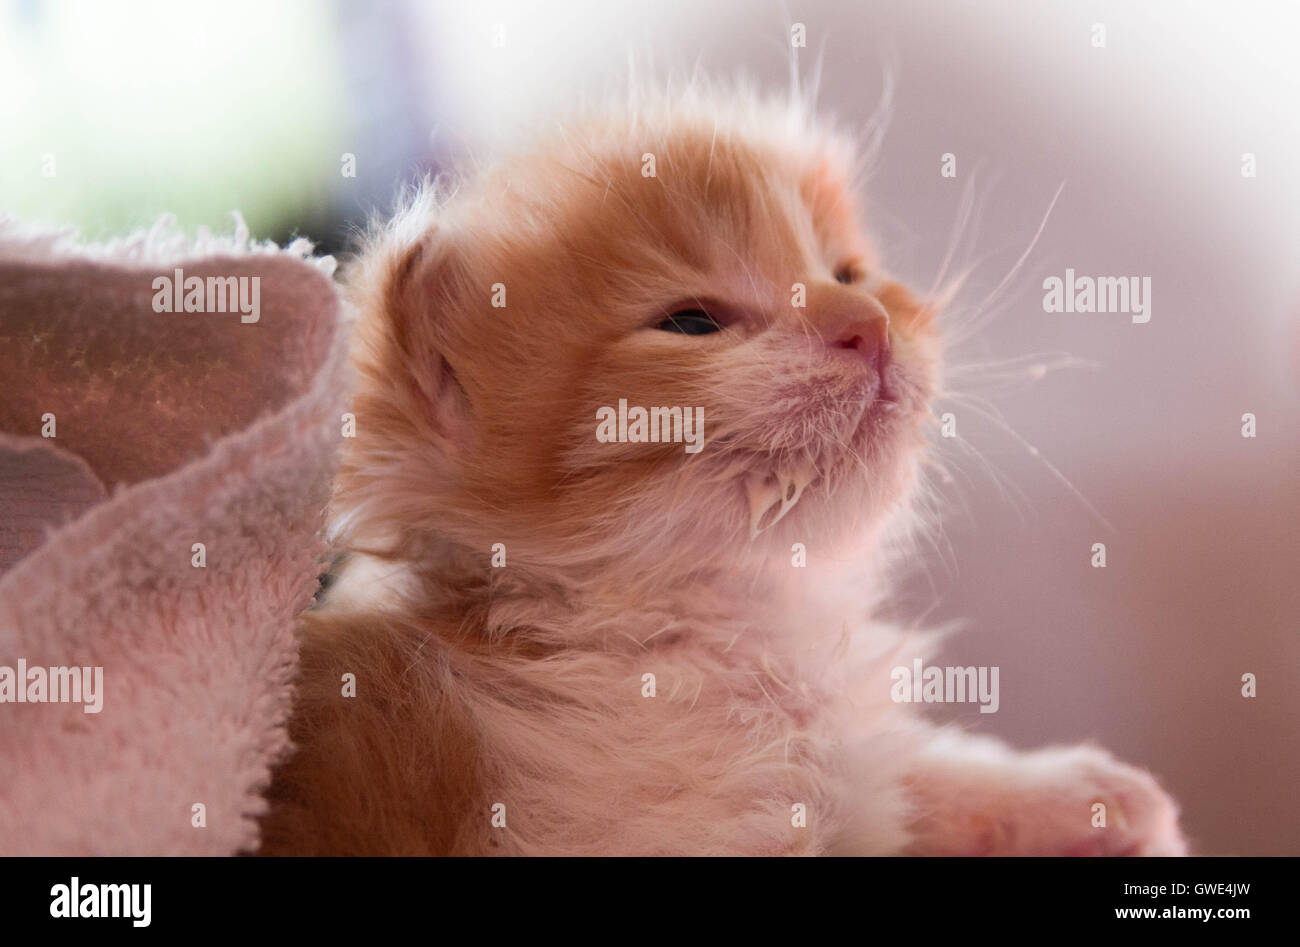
pixel 572 644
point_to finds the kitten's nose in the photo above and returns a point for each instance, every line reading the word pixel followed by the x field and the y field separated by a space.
pixel 855 323
pixel 868 338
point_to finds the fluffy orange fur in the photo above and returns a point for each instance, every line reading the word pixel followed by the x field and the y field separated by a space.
pixel 506 708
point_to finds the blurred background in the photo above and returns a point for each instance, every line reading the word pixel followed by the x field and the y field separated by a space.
pixel 114 113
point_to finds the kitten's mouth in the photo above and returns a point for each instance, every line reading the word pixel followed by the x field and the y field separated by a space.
pixel 887 388
pixel 858 424
pixel 879 400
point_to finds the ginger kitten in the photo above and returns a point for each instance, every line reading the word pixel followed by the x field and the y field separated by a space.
pixel 570 638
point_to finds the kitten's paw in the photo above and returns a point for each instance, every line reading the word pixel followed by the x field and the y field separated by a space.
pixel 1083 801
pixel 1068 801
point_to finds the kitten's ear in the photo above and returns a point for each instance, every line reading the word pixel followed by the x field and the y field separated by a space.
pixel 422 300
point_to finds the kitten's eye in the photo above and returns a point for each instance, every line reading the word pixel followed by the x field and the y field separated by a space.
pixel 847 273
pixel 690 322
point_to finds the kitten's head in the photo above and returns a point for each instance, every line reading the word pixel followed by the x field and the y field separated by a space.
pixel 682 255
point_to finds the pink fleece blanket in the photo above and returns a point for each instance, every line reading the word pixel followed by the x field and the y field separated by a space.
pixel 128 437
